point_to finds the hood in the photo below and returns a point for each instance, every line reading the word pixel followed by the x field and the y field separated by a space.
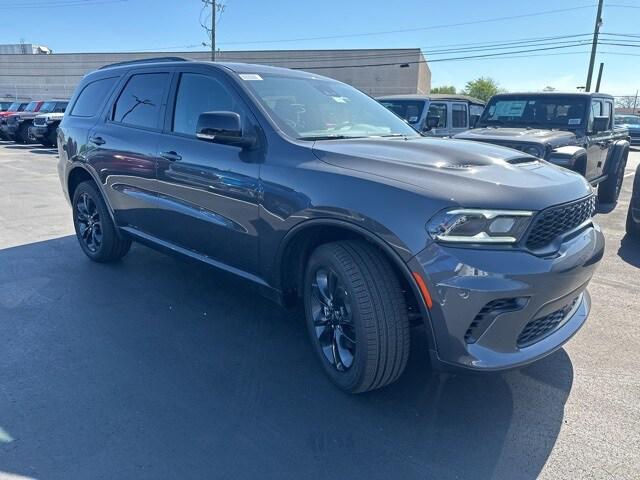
pixel 459 172
pixel 518 135
pixel 27 115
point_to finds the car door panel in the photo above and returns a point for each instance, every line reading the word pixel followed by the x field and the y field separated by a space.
pixel 208 193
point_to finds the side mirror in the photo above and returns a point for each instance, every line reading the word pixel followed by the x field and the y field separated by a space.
pixel 222 127
pixel 600 124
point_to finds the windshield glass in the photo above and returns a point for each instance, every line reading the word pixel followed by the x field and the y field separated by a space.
pixel 627 120
pixel 31 107
pixel 548 112
pixel 410 110
pixel 310 108
pixel 14 107
pixel 4 106
pixel 57 107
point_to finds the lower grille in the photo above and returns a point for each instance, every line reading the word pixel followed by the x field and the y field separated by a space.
pixel 489 312
pixel 554 221
pixel 539 328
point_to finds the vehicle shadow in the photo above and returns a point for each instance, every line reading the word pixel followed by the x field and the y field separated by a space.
pixel 629 250
pixel 157 368
pixel 44 151
pixel 605 208
pixel 19 146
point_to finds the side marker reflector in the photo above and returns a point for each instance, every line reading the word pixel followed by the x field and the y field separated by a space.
pixel 423 289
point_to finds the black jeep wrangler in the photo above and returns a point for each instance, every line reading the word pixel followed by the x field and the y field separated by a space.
pixel 573 130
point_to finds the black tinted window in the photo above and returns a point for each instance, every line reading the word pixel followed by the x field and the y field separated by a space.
pixel 458 115
pixel 438 110
pixel 92 97
pixel 198 94
pixel 140 102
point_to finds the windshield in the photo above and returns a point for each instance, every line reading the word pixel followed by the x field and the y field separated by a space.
pixel 32 107
pixel 14 107
pixel 547 112
pixel 627 120
pixel 410 110
pixel 310 108
pixel 56 107
pixel 5 106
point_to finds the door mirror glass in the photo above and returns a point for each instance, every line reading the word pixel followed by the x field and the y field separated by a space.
pixel 600 124
pixel 221 127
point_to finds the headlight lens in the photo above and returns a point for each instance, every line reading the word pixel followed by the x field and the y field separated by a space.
pixel 463 225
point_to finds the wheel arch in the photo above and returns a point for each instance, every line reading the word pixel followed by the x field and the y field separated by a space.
pixel 300 241
pixel 616 155
pixel 79 173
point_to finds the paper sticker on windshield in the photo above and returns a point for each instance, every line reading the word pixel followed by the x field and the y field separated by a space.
pixel 340 99
pixel 575 121
pixel 250 76
pixel 413 119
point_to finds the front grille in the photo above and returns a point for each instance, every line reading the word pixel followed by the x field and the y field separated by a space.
pixel 12 120
pixel 539 328
pixel 554 221
pixel 40 121
pixel 488 313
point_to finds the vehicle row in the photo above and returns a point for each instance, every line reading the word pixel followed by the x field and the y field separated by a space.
pixel 32 122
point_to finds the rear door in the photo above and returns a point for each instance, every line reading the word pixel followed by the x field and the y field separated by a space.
pixel 208 192
pixel 459 118
pixel 123 146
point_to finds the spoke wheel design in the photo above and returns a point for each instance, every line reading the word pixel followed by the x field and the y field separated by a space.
pixel 332 319
pixel 89 222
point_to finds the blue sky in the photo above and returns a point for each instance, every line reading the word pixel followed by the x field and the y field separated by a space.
pixel 131 25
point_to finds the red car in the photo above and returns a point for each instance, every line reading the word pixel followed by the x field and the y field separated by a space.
pixel 8 128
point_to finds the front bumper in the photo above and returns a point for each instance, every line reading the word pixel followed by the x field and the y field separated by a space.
pixel 499 309
pixel 38 132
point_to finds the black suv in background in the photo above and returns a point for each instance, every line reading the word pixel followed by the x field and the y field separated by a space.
pixel 19 125
pixel 573 130
pixel 314 192
pixel 45 125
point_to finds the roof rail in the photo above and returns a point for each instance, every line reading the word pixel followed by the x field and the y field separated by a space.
pixel 146 60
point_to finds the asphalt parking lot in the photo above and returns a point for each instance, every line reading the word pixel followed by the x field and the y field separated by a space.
pixel 155 368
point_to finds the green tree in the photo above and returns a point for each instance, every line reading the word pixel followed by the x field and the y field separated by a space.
pixel 444 89
pixel 483 88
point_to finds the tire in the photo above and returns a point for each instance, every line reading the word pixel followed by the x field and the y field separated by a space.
pixel 363 317
pixel 52 139
pixel 633 229
pixel 95 230
pixel 609 190
pixel 22 135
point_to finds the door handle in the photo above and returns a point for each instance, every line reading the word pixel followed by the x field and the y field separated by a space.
pixel 97 140
pixel 171 156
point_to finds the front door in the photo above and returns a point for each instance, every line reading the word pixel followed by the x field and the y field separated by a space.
pixel 208 193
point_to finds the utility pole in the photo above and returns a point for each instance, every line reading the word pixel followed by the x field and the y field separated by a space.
pixel 594 46
pixel 599 77
pixel 213 30
pixel 635 102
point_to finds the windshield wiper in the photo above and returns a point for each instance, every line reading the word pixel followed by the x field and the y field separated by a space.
pixel 328 137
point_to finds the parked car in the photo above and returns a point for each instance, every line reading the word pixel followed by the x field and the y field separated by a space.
pixel 45 125
pixel 633 215
pixel 16 125
pixel 439 115
pixel 13 108
pixel 632 124
pixel 573 130
pixel 315 193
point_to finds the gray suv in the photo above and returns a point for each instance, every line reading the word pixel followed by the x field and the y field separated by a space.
pixel 315 193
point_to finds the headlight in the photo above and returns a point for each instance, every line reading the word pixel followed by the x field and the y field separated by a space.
pixel 50 120
pixel 535 151
pixel 463 225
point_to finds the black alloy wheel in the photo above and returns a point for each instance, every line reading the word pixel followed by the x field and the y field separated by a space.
pixel 96 233
pixel 88 222
pixel 331 310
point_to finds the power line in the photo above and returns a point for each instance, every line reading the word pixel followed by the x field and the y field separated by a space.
pixel 63 3
pixel 418 29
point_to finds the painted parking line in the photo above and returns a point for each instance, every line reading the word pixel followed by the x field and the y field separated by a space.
pixel 629 174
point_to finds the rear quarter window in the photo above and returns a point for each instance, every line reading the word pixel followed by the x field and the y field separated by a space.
pixel 92 97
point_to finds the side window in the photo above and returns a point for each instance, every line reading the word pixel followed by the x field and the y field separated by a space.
pixel 197 94
pixel 92 97
pixel 438 110
pixel 140 102
pixel 475 111
pixel 596 111
pixel 459 115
